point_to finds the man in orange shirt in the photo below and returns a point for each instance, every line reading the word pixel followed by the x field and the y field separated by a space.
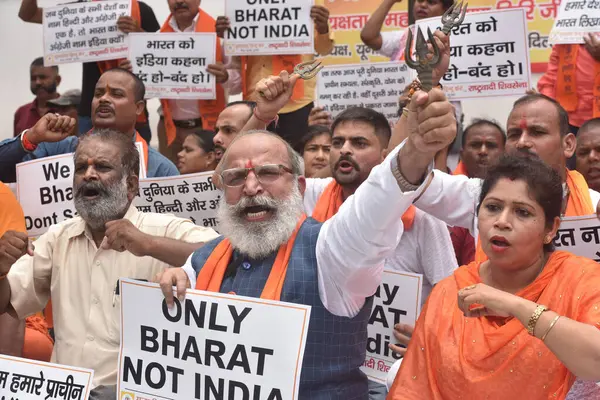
pixel 293 118
pixel 29 338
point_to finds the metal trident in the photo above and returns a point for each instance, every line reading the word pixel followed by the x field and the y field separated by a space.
pixel 305 70
pixel 425 60
pixel 454 16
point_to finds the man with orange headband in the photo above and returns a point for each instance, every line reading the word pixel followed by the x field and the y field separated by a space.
pixel 272 250
pixel 118 100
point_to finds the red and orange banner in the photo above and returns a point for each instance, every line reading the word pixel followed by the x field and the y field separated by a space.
pixel 347 17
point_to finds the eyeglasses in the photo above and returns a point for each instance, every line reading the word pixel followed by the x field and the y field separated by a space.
pixel 265 174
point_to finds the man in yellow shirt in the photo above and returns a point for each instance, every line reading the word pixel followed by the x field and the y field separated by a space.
pixel 293 118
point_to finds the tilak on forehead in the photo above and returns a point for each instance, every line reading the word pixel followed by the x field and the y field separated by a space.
pixel 523 123
pixel 249 164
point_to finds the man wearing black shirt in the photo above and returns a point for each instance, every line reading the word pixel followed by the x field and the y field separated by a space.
pixel 30 12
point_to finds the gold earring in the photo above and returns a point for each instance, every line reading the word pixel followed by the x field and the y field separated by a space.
pixel 547 240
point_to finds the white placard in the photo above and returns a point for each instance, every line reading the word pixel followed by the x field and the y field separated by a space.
pixel 234 344
pixel 397 300
pixel 82 32
pixel 45 192
pixel 260 27
pixel 376 85
pixel 192 196
pixel 575 19
pixel 25 379
pixel 580 236
pixel 489 55
pixel 173 65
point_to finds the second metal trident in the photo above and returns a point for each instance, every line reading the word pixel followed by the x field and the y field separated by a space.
pixel 425 60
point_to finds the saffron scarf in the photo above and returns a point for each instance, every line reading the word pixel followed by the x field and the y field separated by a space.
pixel 566 80
pixel 332 198
pixel 451 356
pixel 461 169
pixel 209 109
pixel 578 203
pixel 211 275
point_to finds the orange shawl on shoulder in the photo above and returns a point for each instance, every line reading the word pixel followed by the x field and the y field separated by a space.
pixel 332 198
pixel 461 169
pixel 451 356
pixel 579 203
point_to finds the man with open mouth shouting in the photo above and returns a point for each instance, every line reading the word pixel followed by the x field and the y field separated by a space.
pixel 118 100
pixel 272 250
pixel 79 262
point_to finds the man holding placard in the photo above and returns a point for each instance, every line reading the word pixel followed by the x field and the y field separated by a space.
pixel 270 247
pixel 142 19
pixel 79 262
pixel 292 120
pixel 118 100
pixel 182 116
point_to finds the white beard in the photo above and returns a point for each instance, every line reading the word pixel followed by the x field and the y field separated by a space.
pixel 257 240
pixel 110 205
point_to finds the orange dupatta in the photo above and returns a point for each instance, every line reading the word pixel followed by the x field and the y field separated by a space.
pixel 209 109
pixel 211 275
pixel 332 198
pixel 578 203
pixel 566 80
pixel 38 343
pixel 461 169
pixel 451 356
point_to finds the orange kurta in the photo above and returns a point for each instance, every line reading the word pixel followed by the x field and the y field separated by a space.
pixel 454 357
pixel 579 203
pixel 38 344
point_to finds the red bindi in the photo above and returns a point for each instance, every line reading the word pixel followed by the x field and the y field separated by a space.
pixel 523 124
pixel 249 164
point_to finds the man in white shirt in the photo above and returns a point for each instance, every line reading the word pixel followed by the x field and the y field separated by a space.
pixel 181 117
pixel 360 139
pixel 79 262
pixel 537 125
pixel 335 267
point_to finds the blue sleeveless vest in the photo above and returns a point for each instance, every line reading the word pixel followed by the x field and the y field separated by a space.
pixel 335 346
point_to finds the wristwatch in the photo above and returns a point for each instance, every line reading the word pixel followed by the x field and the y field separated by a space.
pixel 405 185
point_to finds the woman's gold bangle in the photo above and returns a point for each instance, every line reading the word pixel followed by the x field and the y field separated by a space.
pixel 554 321
pixel 534 318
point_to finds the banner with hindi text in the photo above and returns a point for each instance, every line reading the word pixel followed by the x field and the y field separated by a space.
pixel 209 345
pixel 83 32
pixel 376 86
pixel 580 236
pixel 347 18
pixel 260 27
pixel 397 300
pixel 488 55
pixel 576 18
pixel 173 65
pixel 25 379
pixel 45 191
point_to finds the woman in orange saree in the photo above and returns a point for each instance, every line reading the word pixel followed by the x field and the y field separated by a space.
pixel 521 325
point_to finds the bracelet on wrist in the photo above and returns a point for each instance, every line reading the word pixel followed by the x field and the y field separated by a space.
pixel 27 145
pixel 265 121
pixel 539 310
pixel 554 321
